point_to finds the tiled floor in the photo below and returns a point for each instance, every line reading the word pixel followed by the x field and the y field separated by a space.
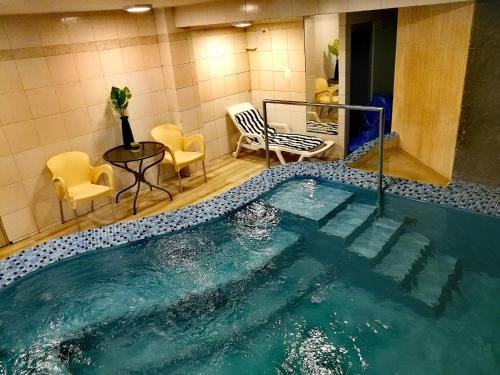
pixel 223 174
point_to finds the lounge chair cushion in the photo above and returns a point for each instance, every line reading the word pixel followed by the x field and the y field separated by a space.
pixel 252 122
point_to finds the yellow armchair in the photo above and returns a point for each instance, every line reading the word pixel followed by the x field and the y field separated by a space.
pixel 75 180
pixel 326 94
pixel 177 147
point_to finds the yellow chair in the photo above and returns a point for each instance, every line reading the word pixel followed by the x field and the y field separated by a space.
pixel 177 149
pixel 75 180
pixel 326 94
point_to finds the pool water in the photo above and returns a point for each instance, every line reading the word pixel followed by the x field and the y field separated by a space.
pixel 306 279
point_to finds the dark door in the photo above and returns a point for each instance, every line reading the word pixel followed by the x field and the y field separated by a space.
pixel 361 68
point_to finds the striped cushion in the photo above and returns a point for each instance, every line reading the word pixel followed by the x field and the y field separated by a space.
pixel 252 122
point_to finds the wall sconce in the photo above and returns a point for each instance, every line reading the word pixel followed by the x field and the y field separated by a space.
pixel 139 8
pixel 243 24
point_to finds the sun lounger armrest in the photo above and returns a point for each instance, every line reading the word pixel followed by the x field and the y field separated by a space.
pixel 259 137
pixel 280 126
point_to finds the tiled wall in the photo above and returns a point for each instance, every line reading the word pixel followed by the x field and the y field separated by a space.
pixel 277 69
pixel 206 71
pixel 56 72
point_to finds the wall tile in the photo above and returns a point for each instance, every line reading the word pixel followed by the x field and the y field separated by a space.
pixel 146 24
pixel 112 62
pixel 333 6
pixel 9 77
pixel 84 143
pixel 70 96
pixel 46 213
pixel 22 136
pixel 76 122
pixel 34 73
pixel 12 198
pixel 103 25
pixel 88 65
pixel 180 52
pixel 94 91
pixel 217 87
pixel 39 188
pixel 133 58
pixel 52 30
pixel 19 224
pixel 62 69
pixel 187 98
pixel 14 108
pixel 159 102
pixel 56 148
pixel 295 39
pixel 43 102
pixel 191 120
pixel 126 25
pixel 30 163
pixel 182 75
pixel 4 41
pixel 80 28
pixel 151 55
pixel 50 129
pixel 361 5
pixel 279 40
pixel 21 31
pixel 9 173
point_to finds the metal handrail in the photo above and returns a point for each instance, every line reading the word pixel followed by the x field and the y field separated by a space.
pixel 381 120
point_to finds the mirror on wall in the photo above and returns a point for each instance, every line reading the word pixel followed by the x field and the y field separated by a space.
pixel 322 46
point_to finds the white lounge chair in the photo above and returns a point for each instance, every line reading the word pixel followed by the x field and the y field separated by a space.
pixel 251 126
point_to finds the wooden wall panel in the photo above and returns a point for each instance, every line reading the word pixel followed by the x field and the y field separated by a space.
pixel 431 58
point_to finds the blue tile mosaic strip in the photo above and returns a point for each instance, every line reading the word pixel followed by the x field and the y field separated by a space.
pixel 457 194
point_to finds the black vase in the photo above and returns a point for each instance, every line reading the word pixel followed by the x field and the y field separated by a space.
pixel 336 71
pixel 127 135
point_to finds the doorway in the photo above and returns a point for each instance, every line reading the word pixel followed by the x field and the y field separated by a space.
pixel 373 54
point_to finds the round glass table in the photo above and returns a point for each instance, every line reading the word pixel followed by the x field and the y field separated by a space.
pixel 120 157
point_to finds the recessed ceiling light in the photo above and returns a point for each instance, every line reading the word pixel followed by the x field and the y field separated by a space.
pixel 243 24
pixel 140 8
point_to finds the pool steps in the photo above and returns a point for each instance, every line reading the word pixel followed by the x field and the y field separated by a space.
pixel 386 246
pixel 350 222
pixel 309 203
pixel 174 346
pixel 216 275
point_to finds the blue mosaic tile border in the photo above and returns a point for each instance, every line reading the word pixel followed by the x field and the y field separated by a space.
pixel 458 194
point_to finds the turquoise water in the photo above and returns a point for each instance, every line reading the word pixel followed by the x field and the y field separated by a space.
pixel 307 279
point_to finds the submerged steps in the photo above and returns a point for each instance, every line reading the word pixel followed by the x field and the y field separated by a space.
pixel 309 201
pixel 166 343
pixel 373 243
pixel 346 224
pixel 404 257
pixel 435 280
pixel 174 284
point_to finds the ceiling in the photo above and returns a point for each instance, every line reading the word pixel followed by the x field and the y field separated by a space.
pixel 59 6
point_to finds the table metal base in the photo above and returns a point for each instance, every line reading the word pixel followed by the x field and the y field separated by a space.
pixel 139 177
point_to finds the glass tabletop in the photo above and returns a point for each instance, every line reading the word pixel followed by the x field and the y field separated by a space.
pixel 120 154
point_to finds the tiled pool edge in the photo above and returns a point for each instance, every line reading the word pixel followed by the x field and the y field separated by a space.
pixel 458 194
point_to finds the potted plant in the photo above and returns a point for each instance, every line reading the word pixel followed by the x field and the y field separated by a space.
pixel 119 99
pixel 333 48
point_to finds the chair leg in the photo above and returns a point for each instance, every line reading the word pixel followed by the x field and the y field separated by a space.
pixel 61 211
pixel 204 170
pixel 92 205
pixel 238 147
pixel 76 219
pixel 180 183
pixel 158 176
pixel 280 157
pixel 301 158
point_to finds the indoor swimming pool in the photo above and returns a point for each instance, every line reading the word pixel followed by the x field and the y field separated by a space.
pixel 307 278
